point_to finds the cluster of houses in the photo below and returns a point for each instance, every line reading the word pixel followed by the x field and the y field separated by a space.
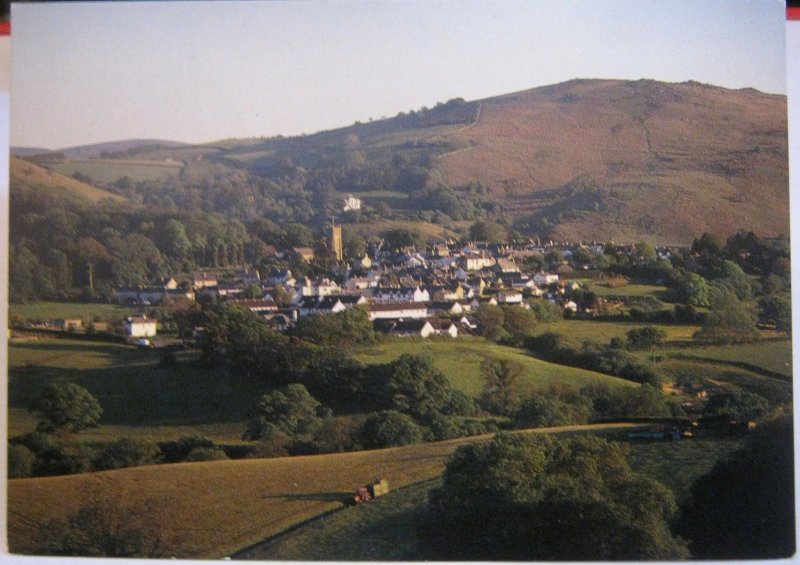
pixel 411 292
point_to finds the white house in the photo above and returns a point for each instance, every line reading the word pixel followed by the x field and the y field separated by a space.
pixel 397 311
pixel 509 297
pixel 545 278
pixel 140 327
pixel 351 203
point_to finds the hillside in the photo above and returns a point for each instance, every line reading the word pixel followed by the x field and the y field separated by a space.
pixel 208 510
pixel 27 173
pixel 581 160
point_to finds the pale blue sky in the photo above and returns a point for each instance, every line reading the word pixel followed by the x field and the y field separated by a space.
pixel 196 71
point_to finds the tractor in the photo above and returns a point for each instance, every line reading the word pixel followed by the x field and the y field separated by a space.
pixel 376 488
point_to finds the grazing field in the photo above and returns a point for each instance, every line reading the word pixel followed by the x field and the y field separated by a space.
pixel 384 529
pixel 632 290
pixel 460 360
pixel 601 331
pixel 209 510
pixel 87 312
pixel 774 356
pixel 109 171
pixel 140 397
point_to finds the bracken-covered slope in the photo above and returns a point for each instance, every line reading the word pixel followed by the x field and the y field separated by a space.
pixel 628 160
pixel 27 173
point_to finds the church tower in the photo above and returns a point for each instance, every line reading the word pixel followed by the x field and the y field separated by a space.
pixel 336 241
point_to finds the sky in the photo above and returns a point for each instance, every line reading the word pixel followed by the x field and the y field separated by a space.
pixel 203 71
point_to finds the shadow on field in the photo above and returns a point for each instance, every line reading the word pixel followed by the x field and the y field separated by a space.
pixel 184 393
pixel 314 496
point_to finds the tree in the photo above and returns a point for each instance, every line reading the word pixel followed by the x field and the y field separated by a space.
pixel 693 290
pixel 415 386
pixel 490 321
pixel 646 337
pixel 20 461
pixel 518 322
pixel 92 252
pixel 544 498
pixel 388 429
pixel 730 321
pixel 737 405
pixel 744 508
pixel 106 528
pixel 539 411
pixel 488 232
pixel 290 409
pixel 66 407
pixel 504 386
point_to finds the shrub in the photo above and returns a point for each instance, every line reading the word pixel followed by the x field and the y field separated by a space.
pixel 125 452
pixel 206 454
pixel 646 337
pixel 20 461
pixel 390 428
pixel 176 451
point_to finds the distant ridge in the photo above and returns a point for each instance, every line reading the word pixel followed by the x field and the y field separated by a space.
pixel 96 150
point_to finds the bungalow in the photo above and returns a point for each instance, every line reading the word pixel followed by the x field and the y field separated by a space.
pixel 140 327
pixel 397 310
pixel 246 277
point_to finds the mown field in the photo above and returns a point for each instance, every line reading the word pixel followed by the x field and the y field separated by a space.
pixel 209 510
pixel 385 529
pixel 108 171
pixel 460 360
pixel 632 290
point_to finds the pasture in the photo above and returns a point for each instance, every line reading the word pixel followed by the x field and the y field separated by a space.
pixel 214 509
pixel 107 171
pixel 772 356
pixel 140 397
pixel 43 311
pixel 602 331
pixel 460 360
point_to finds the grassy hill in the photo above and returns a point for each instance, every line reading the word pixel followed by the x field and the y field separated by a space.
pixel 209 510
pixel 460 360
pixel 26 173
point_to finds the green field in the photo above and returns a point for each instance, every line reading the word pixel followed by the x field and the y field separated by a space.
pixel 460 361
pixel 774 356
pixel 601 331
pixel 109 171
pixel 140 397
pixel 632 290
pixel 43 311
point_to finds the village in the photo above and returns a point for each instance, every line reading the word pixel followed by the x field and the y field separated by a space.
pixel 407 292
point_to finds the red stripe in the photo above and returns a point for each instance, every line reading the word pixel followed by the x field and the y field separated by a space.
pixel 5 28
pixel 792 13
